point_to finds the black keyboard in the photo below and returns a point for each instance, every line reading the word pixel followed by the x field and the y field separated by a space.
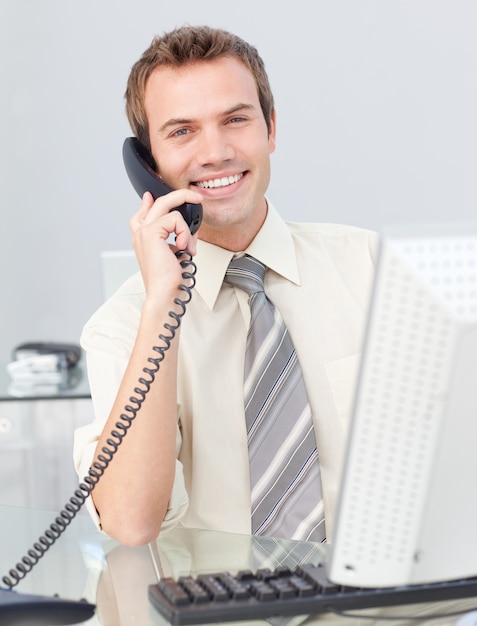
pixel 305 590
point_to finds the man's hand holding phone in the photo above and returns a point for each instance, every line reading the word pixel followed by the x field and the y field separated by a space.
pixel 152 227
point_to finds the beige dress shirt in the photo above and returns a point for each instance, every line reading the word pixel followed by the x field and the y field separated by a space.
pixel 319 277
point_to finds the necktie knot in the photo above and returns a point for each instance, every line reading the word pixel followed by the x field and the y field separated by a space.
pixel 246 273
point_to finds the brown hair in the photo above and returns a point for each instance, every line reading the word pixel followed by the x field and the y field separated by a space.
pixel 190 44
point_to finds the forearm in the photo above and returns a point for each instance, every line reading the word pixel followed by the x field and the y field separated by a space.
pixel 133 494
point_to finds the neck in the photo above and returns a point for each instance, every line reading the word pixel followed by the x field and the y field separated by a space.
pixel 235 237
pixel 231 239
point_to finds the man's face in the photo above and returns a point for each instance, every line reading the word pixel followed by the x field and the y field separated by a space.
pixel 208 133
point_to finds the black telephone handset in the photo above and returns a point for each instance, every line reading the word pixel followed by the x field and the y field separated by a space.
pixel 140 169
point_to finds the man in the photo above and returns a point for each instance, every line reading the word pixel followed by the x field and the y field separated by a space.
pixel 200 100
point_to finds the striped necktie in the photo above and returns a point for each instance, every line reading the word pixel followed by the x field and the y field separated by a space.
pixel 286 496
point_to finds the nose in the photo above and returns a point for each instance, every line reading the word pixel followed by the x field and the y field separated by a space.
pixel 213 146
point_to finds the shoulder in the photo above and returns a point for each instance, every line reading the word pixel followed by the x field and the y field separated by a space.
pixel 328 230
pixel 119 315
pixel 336 239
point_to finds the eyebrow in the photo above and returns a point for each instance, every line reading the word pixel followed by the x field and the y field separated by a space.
pixel 177 121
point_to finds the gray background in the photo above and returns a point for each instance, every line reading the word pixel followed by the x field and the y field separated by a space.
pixel 376 103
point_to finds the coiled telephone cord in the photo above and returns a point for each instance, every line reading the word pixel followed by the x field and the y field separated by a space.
pixel 102 461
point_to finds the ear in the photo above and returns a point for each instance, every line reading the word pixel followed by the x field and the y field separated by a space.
pixel 273 132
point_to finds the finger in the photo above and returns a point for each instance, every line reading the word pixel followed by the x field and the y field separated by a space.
pixel 170 224
pixel 138 218
pixel 186 241
pixel 172 200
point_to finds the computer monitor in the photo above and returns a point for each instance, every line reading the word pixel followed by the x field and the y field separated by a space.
pixel 407 511
pixel 116 267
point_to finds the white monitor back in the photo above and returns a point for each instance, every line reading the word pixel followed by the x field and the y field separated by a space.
pixel 116 267
pixel 408 506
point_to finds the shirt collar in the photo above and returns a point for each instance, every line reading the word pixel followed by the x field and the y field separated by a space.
pixel 273 246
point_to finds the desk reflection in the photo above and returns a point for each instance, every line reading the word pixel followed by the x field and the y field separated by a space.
pixel 185 551
pixel 85 563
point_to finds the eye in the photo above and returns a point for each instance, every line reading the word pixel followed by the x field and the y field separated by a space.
pixel 180 132
pixel 237 119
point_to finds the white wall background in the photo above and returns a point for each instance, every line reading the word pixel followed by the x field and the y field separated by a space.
pixel 377 124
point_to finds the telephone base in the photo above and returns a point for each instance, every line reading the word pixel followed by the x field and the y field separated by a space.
pixel 19 609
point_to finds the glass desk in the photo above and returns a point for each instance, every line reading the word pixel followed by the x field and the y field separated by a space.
pixel 84 563
pixel 37 423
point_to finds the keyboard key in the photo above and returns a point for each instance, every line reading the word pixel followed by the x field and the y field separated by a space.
pixel 173 591
pixel 263 591
pixel 214 586
pixel 195 591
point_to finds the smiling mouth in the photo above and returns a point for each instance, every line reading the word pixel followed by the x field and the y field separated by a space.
pixel 219 182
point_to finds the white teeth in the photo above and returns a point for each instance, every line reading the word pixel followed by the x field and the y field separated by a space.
pixel 220 182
